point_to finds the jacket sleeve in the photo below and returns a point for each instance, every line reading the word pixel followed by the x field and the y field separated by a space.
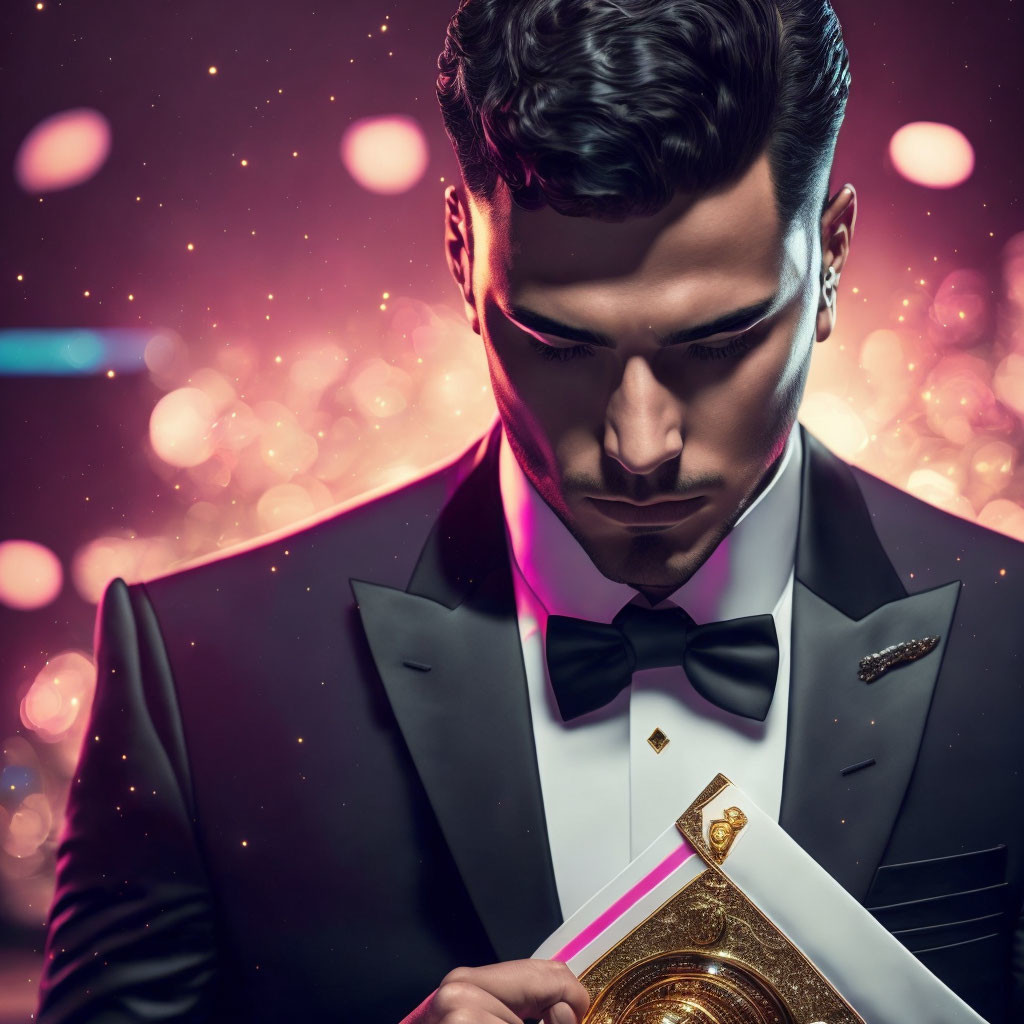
pixel 131 933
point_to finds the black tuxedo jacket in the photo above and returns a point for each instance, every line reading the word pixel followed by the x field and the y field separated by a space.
pixel 308 787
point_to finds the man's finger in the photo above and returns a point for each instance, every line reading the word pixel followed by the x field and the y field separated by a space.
pixel 529 988
pixel 455 996
pixel 560 1013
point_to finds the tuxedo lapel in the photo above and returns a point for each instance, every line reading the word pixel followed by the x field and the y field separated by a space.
pixel 852 745
pixel 448 652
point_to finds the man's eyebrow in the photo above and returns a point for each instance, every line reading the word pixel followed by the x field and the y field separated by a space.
pixel 737 320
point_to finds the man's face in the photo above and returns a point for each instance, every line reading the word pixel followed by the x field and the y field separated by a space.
pixel 601 428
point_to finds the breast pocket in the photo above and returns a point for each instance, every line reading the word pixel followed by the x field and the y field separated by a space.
pixel 944 902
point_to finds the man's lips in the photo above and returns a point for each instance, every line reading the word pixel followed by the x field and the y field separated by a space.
pixel 654 513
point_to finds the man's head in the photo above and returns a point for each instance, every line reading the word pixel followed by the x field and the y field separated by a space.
pixel 637 172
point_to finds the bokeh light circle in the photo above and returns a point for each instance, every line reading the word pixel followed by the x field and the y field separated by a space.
pixel 181 426
pixel 284 504
pixel 1005 516
pixel 31 575
pixel 387 155
pixel 63 150
pixel 96 563
pixel 835 421
pixel 29 826
pixel 60 693
pixel 932 154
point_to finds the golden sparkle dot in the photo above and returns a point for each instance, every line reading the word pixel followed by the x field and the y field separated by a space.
pixel 295 152
pixel 131 789
pixel 906 302
pixel 21 277
pixel 300 739
pixel 383 305
pixel 277 359
pixel 1002 572
pixel 39 7
pixel 962 315
pixel 138 199
pixel 270 295
pixel 386 295
pixel 273 568
pixel 110 373
pixel 212 69
pixel 245 842
pixel 245 163
pixel 383 28
pixel 131 297
pixel 124 757
pixel 332 99
pixel 86 293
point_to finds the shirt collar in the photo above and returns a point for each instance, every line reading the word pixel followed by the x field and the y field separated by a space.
pixel 745 575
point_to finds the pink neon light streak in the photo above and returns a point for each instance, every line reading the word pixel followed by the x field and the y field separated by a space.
pixel 632 896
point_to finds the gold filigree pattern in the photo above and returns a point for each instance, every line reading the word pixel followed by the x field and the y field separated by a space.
pixel 666 970
pixel 871 666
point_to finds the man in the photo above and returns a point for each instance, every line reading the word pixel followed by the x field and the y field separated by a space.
pixel 332 774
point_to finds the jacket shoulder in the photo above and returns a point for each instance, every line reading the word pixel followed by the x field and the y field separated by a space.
pixel 928 546
pixel 377 534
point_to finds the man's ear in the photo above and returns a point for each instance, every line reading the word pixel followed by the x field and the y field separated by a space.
pixel 837 223
pixel 458 245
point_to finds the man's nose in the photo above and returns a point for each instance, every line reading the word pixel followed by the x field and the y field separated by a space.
pixel 643 420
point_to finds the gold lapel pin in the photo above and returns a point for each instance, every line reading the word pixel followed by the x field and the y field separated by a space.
pixel 873 665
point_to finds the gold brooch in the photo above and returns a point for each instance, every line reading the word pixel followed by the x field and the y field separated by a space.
pixel 723 831
pixel 873 665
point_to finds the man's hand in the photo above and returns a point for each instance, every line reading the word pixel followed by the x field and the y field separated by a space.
pixel 507 993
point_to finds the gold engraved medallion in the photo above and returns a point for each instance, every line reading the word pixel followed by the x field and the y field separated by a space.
pixel 691 988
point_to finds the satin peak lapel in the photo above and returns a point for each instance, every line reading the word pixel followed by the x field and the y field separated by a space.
pixel 448 652
pixel 852 745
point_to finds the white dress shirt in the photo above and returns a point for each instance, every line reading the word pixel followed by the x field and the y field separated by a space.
pixel 607 794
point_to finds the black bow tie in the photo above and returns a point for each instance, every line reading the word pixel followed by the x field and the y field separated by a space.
pixel 733 664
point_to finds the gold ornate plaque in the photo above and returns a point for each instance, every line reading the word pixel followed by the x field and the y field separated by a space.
pixel 708 955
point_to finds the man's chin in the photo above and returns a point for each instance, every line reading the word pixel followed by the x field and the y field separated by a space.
pixel 652 558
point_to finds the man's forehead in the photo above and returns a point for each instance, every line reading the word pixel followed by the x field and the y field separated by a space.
pixel 734 231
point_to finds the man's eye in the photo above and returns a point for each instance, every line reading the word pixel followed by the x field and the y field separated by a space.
pixel 553 352
pixel 733 347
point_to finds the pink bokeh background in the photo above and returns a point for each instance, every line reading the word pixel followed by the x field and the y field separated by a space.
pixel 264 207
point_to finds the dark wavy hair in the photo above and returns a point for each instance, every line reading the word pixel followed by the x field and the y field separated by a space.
pixel 604 108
